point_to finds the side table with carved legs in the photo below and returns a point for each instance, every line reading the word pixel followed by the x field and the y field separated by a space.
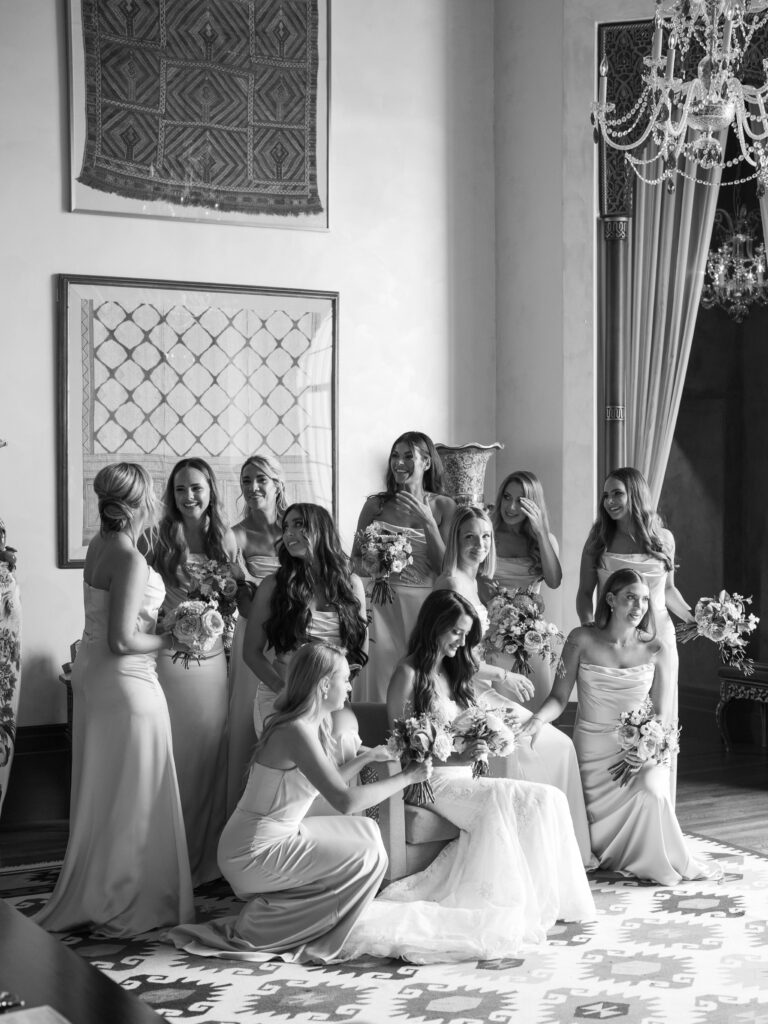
pixel 736 686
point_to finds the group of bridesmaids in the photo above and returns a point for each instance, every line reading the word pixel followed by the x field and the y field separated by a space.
pixel 183 774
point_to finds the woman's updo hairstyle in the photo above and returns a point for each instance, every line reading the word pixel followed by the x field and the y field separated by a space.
pixel 123 489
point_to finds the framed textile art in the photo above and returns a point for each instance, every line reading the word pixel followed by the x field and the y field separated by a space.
pixel 157 371
pixel 208 110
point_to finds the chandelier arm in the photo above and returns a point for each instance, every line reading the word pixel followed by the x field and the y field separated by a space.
pixel 635 144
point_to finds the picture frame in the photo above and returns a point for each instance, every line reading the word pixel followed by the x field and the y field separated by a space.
pixel 255 89
pixel 154 371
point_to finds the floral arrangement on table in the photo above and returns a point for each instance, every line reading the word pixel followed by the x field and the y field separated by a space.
pixel 215 583
pixel 416 739
pixel 195 626
pixel 383 552
pixel 723 620
pixel 517 628
pixel 644 741
pixel 497 726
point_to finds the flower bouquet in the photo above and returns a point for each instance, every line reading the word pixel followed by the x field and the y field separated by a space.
pixel 724 621
pixel 644 741
pixel 382 553
pixel 416 739
pixel 516 627
pixel 196 626
pixel 215 583
pixel 494 725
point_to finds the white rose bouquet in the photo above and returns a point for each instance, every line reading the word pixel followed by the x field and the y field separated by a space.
pixel 494 725
pixel 644 741
pixel 416 739
pixel 516 627
pixel 215 583
pixel 383 552
pixel 195 626
pixel 723 620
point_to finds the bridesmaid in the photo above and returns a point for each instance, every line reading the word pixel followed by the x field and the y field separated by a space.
pixel 313 596
pixel 469 561
pixel 412 503
pixel 192 530
pixel 628 534
pixel 306 880
pixel 126 868
pixel 526 554
pixel 616 664
pixel 262 483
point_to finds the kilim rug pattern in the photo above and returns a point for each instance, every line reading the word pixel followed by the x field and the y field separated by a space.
pixel 693 954
pixel 211 103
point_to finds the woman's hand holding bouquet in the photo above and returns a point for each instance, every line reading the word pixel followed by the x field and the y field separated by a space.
pixel 414 741
pixel 643 740
pixel 480 733
pixel 194 627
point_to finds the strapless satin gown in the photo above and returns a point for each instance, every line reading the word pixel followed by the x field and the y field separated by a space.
pixel 243 686
pixel 305 880
pixel 391 624
pixel 634 829
pixel 126 868
pixel 655 576
pixel 198 702
pixel 512 573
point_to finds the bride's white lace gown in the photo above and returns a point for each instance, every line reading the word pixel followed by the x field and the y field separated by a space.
pixel 513 872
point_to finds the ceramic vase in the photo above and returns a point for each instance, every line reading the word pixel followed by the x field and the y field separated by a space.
pixel 464 467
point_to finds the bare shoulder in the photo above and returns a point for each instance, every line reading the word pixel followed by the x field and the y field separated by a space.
pixel 230 545
pixel 370 510
pixel 443 507
pixel 446 581
pixel 581 637
pixel 345 721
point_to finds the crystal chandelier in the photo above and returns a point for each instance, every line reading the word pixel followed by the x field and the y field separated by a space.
pixel 736 270
pixel 709 103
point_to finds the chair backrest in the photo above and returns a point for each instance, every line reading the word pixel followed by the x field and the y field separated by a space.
pixel 372 722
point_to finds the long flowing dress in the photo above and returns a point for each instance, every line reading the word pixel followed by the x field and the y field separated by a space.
pixel 243 685
pixel 306 880
pixel 634 829
pixel 513 872
pixel 198 699
pixel 126 868
pixel 391 624
pixel 517 573
pixel 654 573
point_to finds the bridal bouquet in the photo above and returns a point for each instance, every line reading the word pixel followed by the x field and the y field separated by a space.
pixel 724 621
pixel 494 725
pixel 644 741
pixel 415 739
pixel 517 628
pixel 215 583
pixel 382 553
pixel 196 626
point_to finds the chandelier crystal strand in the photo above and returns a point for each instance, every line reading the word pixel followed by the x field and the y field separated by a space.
pixel 707 104
pixel 735 276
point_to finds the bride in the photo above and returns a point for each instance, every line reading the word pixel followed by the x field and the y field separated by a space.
pixel 515 868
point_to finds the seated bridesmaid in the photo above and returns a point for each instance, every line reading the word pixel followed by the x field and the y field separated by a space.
pixel 616 664
pixel 469 562
pixel 313 596
pixel 305 880
pixel 413 503
pixel 126 868
pixel 526 556
pixel 262 483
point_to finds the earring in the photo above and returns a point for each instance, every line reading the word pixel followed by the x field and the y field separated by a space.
pixel 325 695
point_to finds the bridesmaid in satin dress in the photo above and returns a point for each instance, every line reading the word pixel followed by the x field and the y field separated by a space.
pixel 617 663
pixel 412 503
pixel 126 869
pixel 628 534
pixel 526 555
pixel 313 596
pixel 262 483
pixel 306 880
pixel 191 531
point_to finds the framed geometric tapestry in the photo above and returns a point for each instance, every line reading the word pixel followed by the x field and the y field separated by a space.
pixel 207 110
pixel 157 371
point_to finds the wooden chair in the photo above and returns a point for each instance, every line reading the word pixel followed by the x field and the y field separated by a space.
pixel 413 836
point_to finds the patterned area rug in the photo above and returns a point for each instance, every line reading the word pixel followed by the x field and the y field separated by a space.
pixel 694 954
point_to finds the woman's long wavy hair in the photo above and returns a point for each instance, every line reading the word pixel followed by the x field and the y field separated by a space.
pixel 433 476
pixel 440 612
pixel 270 467
pixel 616 582
pixel 531 487
pixel 301 694
pixel 170 551
pixel 451 556
pixel 124 490
pixel 295 580
pixel 646 522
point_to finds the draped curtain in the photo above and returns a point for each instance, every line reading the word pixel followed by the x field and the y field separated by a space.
pixel 671 235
